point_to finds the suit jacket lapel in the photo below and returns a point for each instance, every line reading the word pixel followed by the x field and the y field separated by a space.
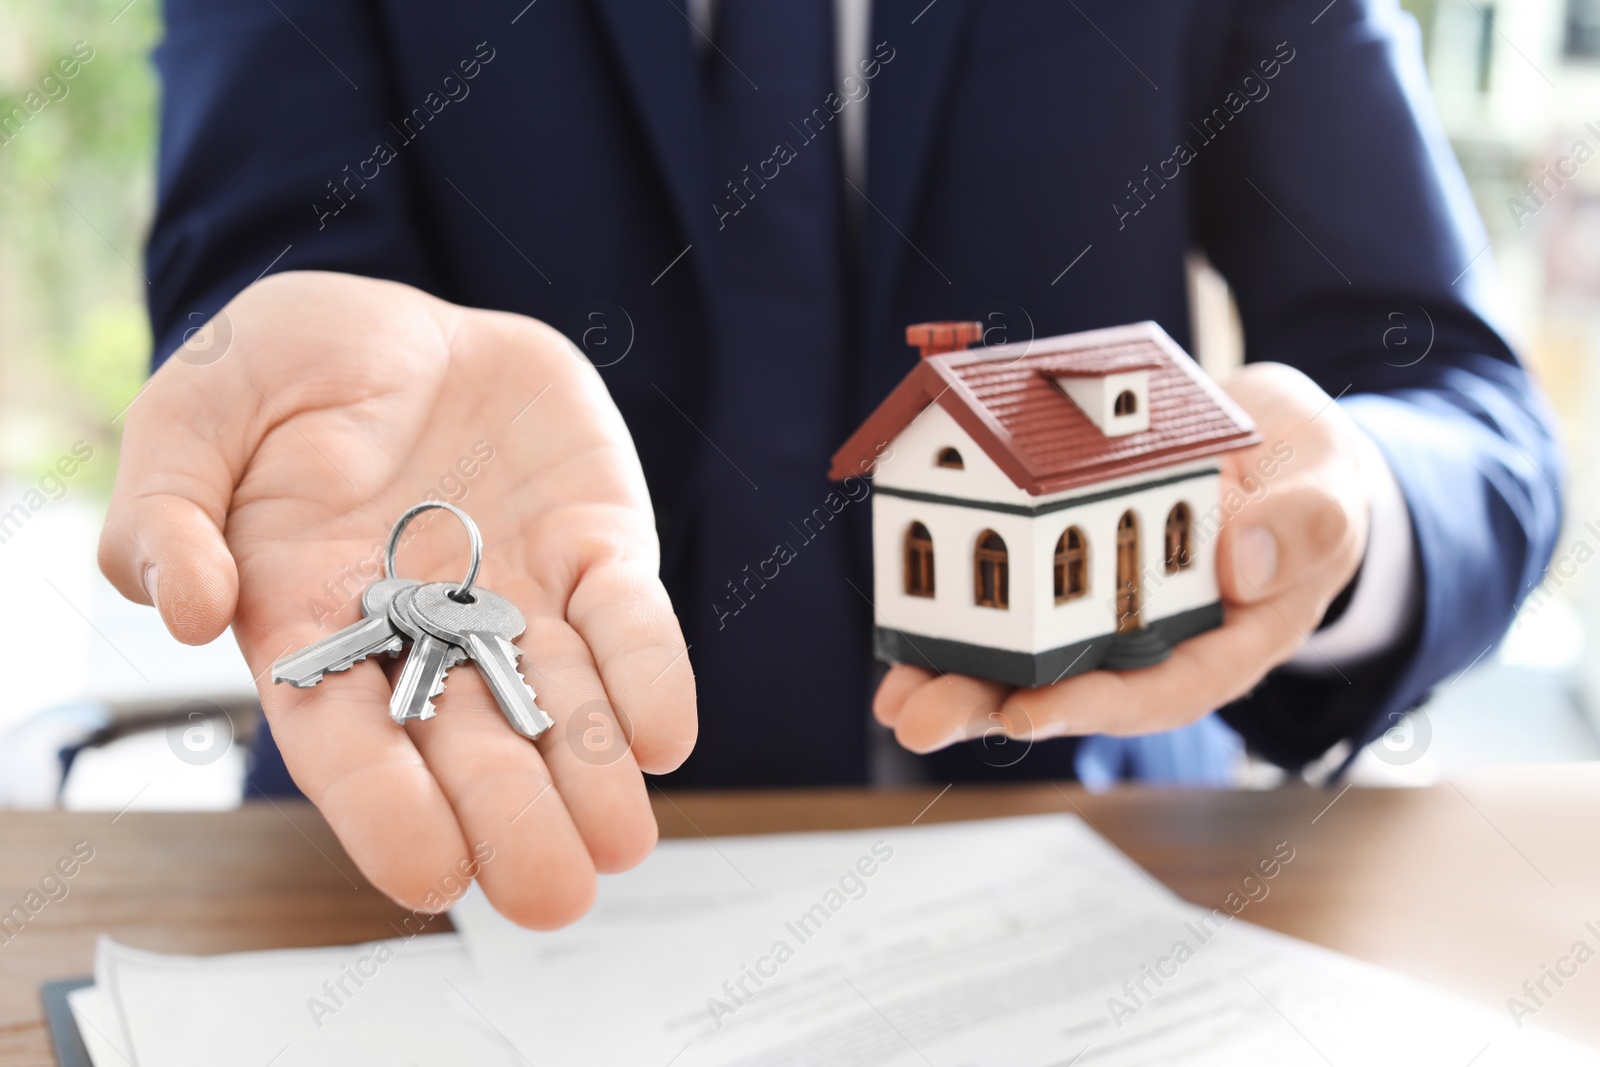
pixel 655 53
pixel 906 102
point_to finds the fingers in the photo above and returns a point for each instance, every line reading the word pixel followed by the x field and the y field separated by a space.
pixel 369 781
pixel 587 750
pixel 502 794
pixel 622 612
pixel 555 812
pixel 1269 391
pixel 416 804
pixel 1295 505
pixel 901 681
pixel 946 709
pixel 1202 674
pixel 1268 547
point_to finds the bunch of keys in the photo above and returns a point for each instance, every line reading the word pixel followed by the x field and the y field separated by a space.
pixel 443 623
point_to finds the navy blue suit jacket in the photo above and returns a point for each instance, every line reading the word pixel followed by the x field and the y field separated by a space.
pixel 1291 140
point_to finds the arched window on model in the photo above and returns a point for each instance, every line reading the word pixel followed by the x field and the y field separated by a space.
pixel 919 561
pixel 1128 598
pixel 991 572
pixel 1179 552
pixel 1127 403
pixel 1072 565
pixel 951 459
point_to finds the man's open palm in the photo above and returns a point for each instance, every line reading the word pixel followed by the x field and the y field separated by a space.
pixel 252 485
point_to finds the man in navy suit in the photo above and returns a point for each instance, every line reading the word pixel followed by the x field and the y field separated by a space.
pixel 619 275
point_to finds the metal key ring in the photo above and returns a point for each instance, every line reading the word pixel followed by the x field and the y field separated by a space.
pixel 463 592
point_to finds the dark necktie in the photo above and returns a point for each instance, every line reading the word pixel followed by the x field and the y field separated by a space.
pixel 780 640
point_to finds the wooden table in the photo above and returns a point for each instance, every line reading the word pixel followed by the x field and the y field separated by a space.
pixel 1473 885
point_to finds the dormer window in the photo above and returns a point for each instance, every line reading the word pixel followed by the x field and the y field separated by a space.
pixel 950 459
pixel 1117 402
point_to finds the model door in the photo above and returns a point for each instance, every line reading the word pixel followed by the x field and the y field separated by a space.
pixel 1127 572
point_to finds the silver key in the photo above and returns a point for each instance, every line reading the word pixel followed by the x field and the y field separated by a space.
pixel 423 676
pixel 485 628
pixel 344 649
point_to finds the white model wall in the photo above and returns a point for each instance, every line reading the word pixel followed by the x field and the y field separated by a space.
pixel 913 464
pixel 951 611
pixel 1034 622
pixel 1163 594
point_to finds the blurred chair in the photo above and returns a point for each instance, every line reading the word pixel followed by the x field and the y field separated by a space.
pixel 106 755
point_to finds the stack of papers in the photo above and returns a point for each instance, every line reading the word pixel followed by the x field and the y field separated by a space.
pixel 1019 942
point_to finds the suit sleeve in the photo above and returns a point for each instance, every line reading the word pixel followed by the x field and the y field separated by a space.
pixel 271 119
pixel 1335 208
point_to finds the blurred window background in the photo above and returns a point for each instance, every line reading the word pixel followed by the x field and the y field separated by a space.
pixel 77 149
pixel 1517 86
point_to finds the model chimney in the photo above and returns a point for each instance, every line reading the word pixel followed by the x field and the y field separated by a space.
pixel 933 338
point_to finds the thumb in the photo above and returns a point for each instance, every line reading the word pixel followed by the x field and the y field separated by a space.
pixel 162 543
pixel 1274 543
pixel 166 551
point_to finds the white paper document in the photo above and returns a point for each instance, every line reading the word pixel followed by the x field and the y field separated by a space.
pixel 1018 942
pixel 383 1002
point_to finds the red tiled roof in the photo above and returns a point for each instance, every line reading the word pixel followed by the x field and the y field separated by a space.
pixel 1005 398
pixel 1113 359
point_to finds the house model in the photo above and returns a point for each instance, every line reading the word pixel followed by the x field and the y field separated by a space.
pixel 1047 508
